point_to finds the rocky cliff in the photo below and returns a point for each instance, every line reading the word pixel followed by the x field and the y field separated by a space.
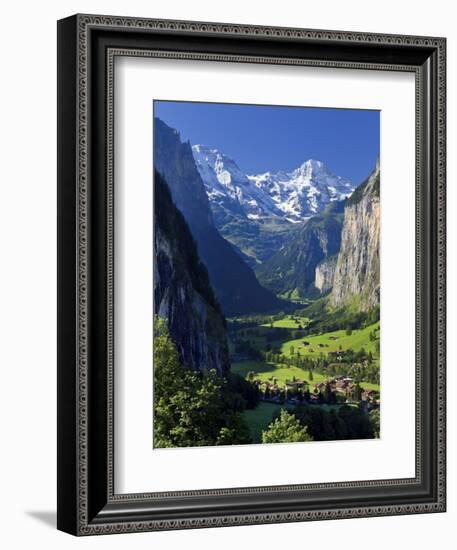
pixel 233 281
pixel 356 279
pixel 324 274
pixel 182 293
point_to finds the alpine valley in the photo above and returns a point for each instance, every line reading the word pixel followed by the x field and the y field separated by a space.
pixel 268 283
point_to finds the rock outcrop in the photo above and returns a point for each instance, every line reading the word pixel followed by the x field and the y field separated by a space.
pixel 356 279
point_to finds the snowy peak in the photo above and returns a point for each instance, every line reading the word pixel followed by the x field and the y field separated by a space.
pixel 219 165
pixel 305 191
pixel 312 170
pixel 311 166
pixel 226 185
pixel 293 196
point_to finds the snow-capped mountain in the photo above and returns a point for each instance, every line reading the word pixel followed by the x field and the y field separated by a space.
pixel 226 185
pixel 291 196
pixel 305 191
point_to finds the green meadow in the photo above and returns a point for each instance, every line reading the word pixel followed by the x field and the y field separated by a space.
pixel 267 371
pixel 334 341
pixel 289 322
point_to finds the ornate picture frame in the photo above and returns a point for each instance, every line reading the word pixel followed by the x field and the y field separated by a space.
pixel 87 47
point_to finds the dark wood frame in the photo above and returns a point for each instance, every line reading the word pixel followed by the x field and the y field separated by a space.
pixel 87 46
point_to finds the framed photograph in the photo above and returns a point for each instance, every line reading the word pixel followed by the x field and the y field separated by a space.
pixel 251 274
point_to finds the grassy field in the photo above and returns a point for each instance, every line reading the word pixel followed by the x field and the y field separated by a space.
pixel 266 371
pixel 289 322
pixel 259 419
pixel 357 340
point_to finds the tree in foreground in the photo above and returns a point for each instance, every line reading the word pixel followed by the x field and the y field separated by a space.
pixel 191 408
pixel 286 429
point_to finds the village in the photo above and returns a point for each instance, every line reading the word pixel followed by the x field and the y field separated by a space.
pixel 335 391
pixel 310 373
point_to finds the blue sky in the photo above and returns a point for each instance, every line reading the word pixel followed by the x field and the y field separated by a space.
pixel 271 138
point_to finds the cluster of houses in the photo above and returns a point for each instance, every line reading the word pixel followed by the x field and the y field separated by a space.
pixel 297 391
pixel 346 386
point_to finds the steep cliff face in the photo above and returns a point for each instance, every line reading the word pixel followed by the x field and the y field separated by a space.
pixel 324 274
pixel 291 271
pixel 233 281
pixel 356 277
pixel 182 293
